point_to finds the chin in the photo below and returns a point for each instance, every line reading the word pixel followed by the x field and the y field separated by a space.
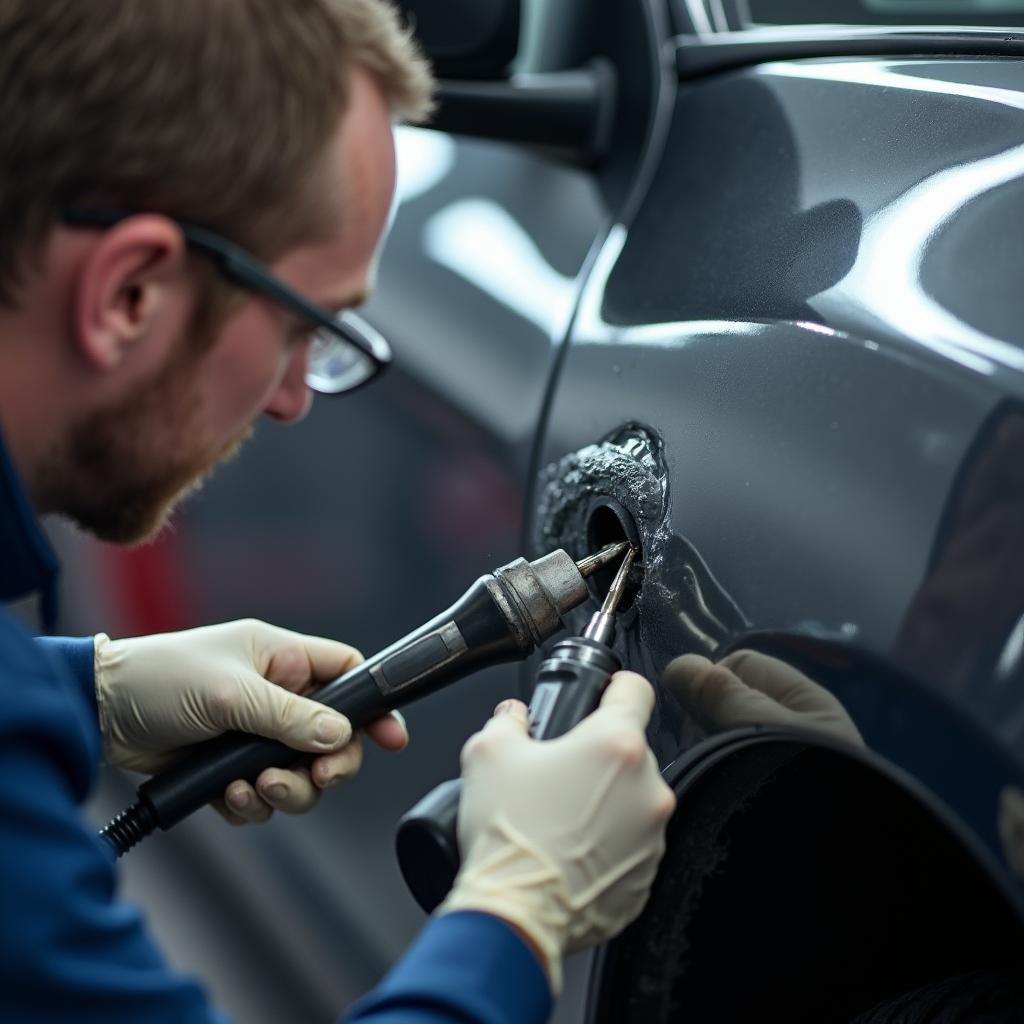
pixel 141 507
pixel 131 520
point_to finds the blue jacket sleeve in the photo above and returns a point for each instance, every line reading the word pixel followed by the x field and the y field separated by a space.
pixel 69 950
pixel 465 968
pixel 78 654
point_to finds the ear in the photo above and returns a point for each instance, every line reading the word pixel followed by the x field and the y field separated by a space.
pixel 133 288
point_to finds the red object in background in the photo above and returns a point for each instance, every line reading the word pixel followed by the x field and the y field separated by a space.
pixel 148 586
pixel 470 503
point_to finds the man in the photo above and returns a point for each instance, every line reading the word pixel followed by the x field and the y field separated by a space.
pixel 140 141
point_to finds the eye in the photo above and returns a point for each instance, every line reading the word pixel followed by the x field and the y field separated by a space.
pixel 301 334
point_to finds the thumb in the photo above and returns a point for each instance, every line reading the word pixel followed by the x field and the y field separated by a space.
pixel 628 697
pixel 509 724
pixel 510 716
pixel 272 711
pixel 717 698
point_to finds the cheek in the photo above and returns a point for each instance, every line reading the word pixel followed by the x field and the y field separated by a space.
pixel 245 367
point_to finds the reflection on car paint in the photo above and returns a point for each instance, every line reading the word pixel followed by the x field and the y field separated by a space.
pixel 888 286
pixel 749 238
pixel 484 244
pixel 425 159
pixel 962 628
pixel 592 328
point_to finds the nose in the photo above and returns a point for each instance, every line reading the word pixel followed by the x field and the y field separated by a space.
pixel 293 399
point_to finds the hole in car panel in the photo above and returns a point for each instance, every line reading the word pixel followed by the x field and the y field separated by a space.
pixel 609 523
pixel 805 884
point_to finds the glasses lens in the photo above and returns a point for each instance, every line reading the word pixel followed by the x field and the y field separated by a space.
pixel 337 364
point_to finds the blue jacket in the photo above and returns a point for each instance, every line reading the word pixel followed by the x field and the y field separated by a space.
pixel 69 949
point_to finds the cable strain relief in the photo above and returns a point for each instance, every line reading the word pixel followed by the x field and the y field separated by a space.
pixel 129 827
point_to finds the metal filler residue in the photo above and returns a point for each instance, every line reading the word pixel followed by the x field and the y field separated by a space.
pixel 680 607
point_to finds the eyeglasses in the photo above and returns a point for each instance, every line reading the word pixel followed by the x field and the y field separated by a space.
pixel 346 352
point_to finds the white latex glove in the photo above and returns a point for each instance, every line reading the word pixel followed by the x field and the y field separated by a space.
pixel 562 838
pixel 158 694
pixel 748 688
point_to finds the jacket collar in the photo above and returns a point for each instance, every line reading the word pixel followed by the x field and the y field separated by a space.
pixel 27 561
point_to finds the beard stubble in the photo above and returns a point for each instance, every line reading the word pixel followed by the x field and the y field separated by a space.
pixel 126 467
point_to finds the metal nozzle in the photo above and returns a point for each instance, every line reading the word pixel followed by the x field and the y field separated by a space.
pixel 589 565
pixel 602 625
pixel 614 596
pixel 534 596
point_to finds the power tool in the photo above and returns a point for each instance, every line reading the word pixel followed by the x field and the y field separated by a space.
pixel 570 683
pixel 502 617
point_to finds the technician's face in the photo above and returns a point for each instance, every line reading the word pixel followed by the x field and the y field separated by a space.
pixel 135 462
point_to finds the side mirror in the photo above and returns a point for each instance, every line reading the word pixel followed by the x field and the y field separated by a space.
pixel 467 38
pixel 472 44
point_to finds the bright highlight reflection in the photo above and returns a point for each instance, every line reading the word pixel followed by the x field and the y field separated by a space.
pixel 425 158
pixel 482 243
pixel 886 283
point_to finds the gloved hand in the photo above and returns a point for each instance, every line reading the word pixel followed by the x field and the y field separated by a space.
pixel 748 688
pixel 562 838
pixel 158 694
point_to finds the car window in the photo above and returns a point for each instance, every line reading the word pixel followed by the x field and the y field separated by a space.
pixel 733 15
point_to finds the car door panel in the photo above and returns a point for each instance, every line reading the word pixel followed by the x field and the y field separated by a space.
pixel 811 318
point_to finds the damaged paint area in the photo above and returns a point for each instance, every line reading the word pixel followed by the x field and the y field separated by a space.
pixel 619 489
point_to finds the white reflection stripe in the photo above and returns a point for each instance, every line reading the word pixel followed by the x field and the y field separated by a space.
pixel 888 284
pixel 485 245
pixel 590 326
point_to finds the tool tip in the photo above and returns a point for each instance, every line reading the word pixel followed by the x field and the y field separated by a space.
pixel 619 585
pixel 592 563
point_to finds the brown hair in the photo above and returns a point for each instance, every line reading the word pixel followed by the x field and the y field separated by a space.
pixel 211 111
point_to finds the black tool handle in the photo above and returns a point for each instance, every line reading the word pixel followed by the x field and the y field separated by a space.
pixel 212 766
pixel 471 634
pixel 570 683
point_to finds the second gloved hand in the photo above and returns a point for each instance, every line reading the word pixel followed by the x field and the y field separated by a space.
pixel 159 694
pixel 562 838
pixel 750 688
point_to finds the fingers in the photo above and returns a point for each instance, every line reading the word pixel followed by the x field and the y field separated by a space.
pixel 332 769
pixel 511 717
pixel 303 663
pixel 288 790
pixel 389 732
pixel 293 791
pixel 221 807
pixel 750 688
pixel 242 805
pixel 772 676
pixel 715 696
pixel 629 697
pixel 785 685
pixel 686 678
pixel 267 710
pixel 509 725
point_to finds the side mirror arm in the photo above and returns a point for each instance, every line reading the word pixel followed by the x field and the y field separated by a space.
pixel 567 113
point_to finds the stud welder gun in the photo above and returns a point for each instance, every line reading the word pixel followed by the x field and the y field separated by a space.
pixel 570 683
pixel 501 618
